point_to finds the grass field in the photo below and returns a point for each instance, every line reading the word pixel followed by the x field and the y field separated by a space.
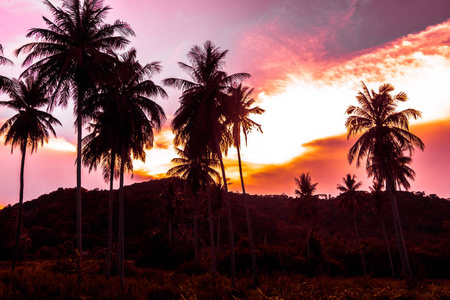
pixel 56 280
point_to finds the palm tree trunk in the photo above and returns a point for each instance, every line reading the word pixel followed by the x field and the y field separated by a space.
pixel 121 227
pixel 195 229
pixel 211 230
pixel 308 252
pixel 359 244
pixel 23 149
pixel 249 223
pixel 218 233
pixel 230 222
pixel 387 245
pixel 170 231
pixel 79 220
pixel 399 232
pixel 110 214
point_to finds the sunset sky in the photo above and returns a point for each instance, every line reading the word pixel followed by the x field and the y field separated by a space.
pixel 307 59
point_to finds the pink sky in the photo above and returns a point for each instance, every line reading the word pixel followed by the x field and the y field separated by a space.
pixel 306 58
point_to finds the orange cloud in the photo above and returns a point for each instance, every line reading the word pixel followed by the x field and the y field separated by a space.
pixel 326 161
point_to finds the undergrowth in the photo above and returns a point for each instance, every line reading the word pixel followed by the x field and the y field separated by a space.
pixel 48 280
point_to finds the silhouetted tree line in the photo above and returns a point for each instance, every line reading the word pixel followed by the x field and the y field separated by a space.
pixel 76 57
pixel 49 233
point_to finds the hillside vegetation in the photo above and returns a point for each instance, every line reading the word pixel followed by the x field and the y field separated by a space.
pixel 49 233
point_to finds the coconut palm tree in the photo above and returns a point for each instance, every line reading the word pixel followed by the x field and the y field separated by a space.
pixel 351 200
pixel 199 124
pixel 71 56
pixel 198 172
pixel 379 199
pixel 5 82
pixel 305 204
pixel 138 117
pixel 241 107
pixel 28 128
pixel 101 148
pixel 385 136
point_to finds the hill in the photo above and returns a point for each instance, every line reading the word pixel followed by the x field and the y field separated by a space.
pixel 49 231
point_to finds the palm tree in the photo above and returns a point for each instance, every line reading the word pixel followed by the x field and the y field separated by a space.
pixel 350 199
pixel 101 148
pixel 138 117
pixel 198 172
pixel 199 124
pixel 28 128
pixel 71 56
pixel 5 82
pixel 240 105
pixel 385 137
pixel 306 203
pixel 377 196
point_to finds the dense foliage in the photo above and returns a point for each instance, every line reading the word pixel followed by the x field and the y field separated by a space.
pixel 49 233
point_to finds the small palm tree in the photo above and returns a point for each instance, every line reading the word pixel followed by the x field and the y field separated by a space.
pixel 101 148
pixel 138 117
pixel 71 55
pixel 198 172
pixel 5 82
pixel 28 128
pixel 385 137
pixel 306 204
pixel 241 107
pixel 351 200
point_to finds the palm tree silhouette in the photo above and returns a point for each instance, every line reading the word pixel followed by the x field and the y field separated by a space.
pixel 71 54
pixel 199 123
pixel 28 128
pixel 240 104
pixel 351 200
pixel 198 172
pixel 5 82
pixel 101 148
pixel 385 137
pixel 306 204
pixel 138 117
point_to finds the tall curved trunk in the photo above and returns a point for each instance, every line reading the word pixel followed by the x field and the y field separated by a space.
pixel 195 229
pixel 79 219
pixel 218 233
pixel 170 231
pixel 229 218
pixel 249 223
pixel 359 244
pixel 387 245
pixel 23 149
pixel 120 243
pixel 110 214
pixel 398 231
pixel 308 231
pixel 211 230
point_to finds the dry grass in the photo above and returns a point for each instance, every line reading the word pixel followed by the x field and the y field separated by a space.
pixel 53 280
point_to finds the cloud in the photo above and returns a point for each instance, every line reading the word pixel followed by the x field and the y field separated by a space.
pixel 331 39
pixel 326 161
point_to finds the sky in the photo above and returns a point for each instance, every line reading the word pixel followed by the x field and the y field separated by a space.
pixel 307 59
